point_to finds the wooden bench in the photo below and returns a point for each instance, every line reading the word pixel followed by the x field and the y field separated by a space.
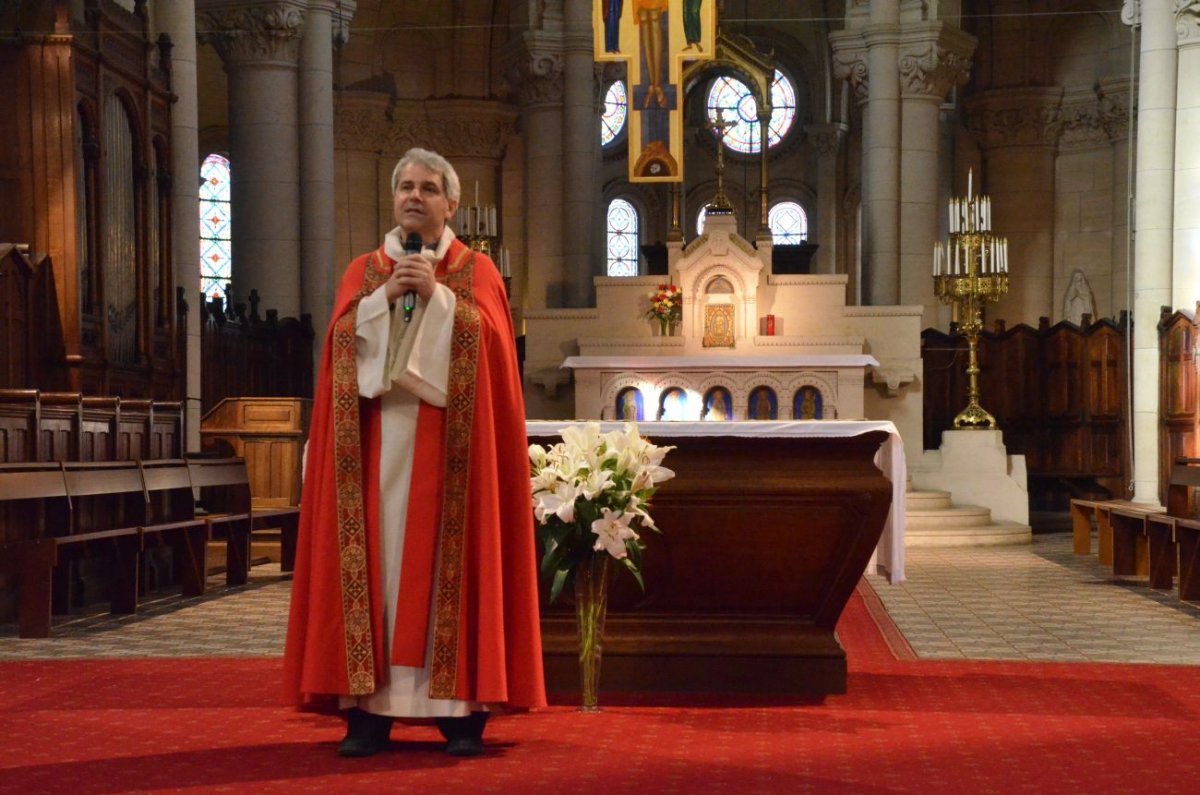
pixel 1183 505
pixel 1085 513
pixel 171 521
pixel 234 513
pixel 62 512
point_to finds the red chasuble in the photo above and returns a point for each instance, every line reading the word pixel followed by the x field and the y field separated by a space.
pixel 469 558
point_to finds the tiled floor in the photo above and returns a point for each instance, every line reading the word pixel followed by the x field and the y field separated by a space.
pixel 1037 602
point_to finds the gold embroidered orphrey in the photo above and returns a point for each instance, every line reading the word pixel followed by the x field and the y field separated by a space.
pixel 348 480
pixel 460 417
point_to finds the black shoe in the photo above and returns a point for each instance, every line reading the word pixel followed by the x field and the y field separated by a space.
pixel 464 736
pixel 366 734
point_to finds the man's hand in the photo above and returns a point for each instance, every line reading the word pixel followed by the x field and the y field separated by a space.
pixel 411 272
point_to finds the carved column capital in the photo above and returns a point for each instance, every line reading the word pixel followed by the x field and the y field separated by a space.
pixel 850 62
pixel 1016 116
pixel 246 32
pixel 360 121
pixel 1187 22
pixel 826 138
pixel 456 128
pixel 541 78
pixel 933 59
pixel 1081 121
pixel 1112 97
pixel 1131 12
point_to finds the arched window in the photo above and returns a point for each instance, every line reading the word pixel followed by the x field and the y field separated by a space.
pixel 789 224
pixel 700 216
pixel 616 108
pixel 730 100
pixel 215 261
pixel 622 238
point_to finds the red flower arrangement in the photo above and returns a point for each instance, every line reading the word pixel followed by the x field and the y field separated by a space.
pixel 666 304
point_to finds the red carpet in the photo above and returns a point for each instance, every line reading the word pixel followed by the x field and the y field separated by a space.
pixel 214 725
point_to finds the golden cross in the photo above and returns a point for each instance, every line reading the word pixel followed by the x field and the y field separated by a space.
pixel 720 201
pixel 654 38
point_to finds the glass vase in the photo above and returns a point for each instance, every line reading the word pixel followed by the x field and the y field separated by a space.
pixel 664 326
pixel 591 605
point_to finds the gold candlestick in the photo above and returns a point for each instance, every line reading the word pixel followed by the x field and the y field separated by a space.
pixel 970 269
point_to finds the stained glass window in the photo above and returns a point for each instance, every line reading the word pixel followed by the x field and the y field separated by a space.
pixel 789 224
pixel 730 100
pixel 622 239
pixel 215 259
pixel 616 108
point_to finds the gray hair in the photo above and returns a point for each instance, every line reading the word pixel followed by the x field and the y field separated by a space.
pixel 434 162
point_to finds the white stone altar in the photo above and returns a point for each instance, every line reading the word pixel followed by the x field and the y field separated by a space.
pixel 863 362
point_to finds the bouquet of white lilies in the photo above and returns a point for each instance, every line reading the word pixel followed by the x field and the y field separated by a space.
pixel 590 494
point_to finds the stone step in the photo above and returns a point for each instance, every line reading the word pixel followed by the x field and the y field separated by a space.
pixel 927 500
pixel 955 516
pixel 992 534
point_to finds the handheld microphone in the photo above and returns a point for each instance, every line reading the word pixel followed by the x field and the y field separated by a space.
pixel 412 245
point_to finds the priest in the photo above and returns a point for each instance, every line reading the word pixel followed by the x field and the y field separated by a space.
pixel 415 586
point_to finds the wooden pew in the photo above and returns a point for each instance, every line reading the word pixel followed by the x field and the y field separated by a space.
pixel 1182 503
pixel 62 512
pixel 33 505
pixel 171 520
pixel 233 513
pixel 1086 513
pixel 222 487
pixel 18 425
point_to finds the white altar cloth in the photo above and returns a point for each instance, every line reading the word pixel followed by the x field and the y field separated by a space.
pixel 889 553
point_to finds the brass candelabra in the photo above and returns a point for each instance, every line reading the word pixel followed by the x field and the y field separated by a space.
pixel 970 268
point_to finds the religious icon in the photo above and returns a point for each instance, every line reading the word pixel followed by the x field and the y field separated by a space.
pixel 763 404
pixel 611 10
pixel 673 406
pixel 718 405
pixel 629 405
pixel 691 25
pixel 718 326
pixel 650 17
pixel 807 404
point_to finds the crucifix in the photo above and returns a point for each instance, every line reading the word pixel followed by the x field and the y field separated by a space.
pixel 720 203
pixel 654 38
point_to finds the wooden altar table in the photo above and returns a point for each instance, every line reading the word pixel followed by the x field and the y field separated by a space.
pixel 767 528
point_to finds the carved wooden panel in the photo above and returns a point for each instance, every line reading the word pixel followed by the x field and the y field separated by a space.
pixel 1179 402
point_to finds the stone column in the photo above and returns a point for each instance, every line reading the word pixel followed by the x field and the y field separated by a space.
pixel 581 154
pixel 827 140
pixel 318 268
pixel 850 64
pixel 178 20
pixel 934 57
pixel 1185 274
pixel 362 195
pixel 1154 214
pixel 881 155
pixel 259 45
pixel 1113 98
pixel 1019 128
pixel 541 86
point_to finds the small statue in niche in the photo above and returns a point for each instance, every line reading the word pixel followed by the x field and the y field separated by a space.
pixel 630 406
pixel 718 407
pixel 807 405
pixel 763 405
pixel 673 405
pixel 1078 300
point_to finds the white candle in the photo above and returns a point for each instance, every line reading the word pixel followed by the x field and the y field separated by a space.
pixel 476 193
pixel 969 174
